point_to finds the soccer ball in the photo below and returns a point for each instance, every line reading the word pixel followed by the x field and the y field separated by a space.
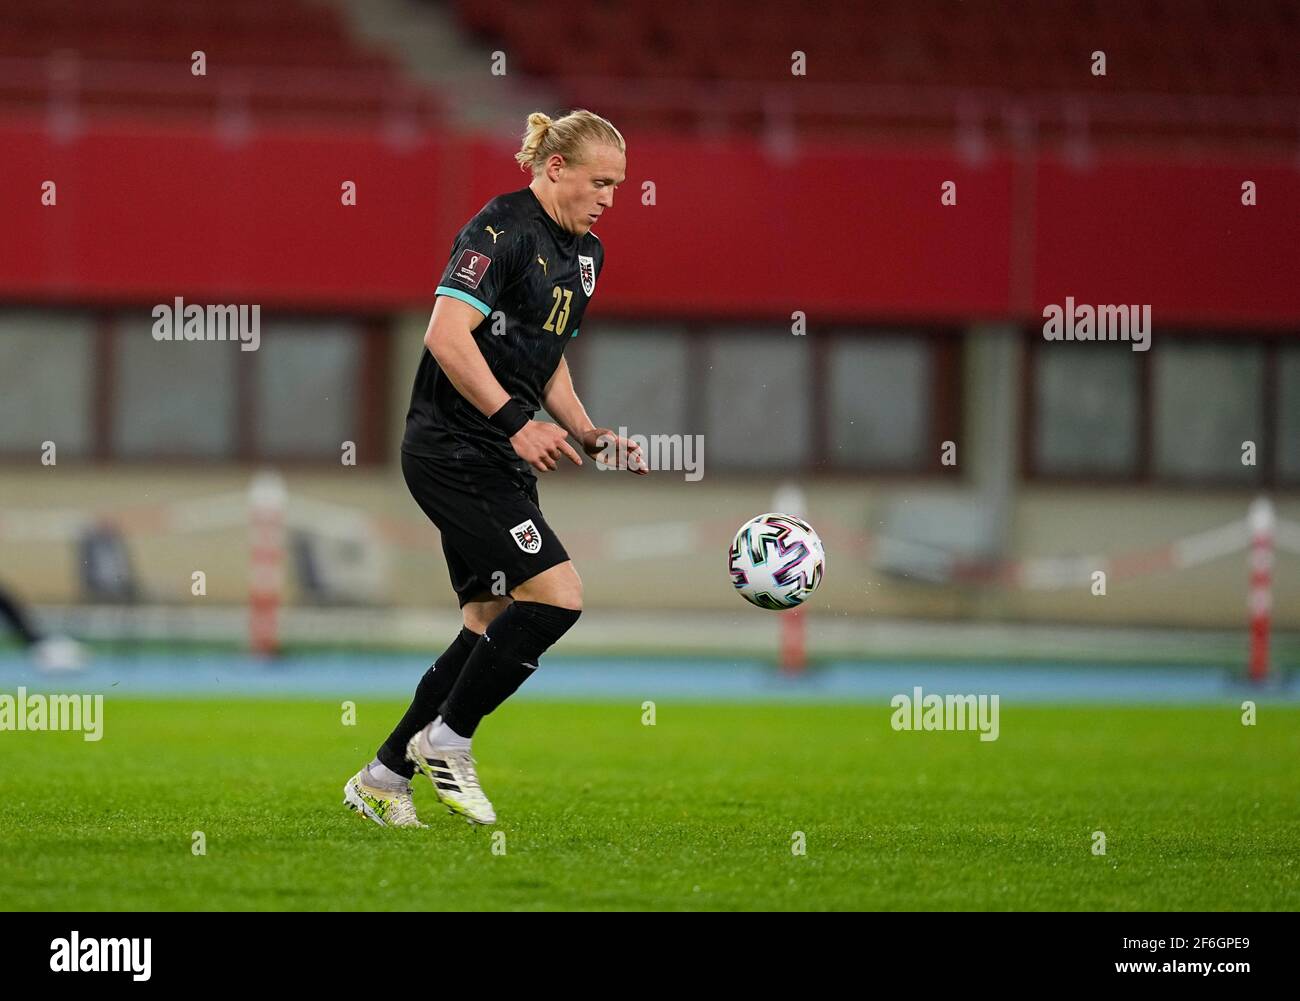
pixel 776 561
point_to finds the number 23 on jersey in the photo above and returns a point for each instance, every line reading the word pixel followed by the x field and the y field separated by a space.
pixel 559 317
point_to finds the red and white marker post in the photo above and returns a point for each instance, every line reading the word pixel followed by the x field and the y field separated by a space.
pixel 266 503
pixel 794 648
pixel 790 499
pixel 1263 529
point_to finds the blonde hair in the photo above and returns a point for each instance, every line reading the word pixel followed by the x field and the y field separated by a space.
pixel 546 136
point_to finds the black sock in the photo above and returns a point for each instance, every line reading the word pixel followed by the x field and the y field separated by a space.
pixel 502 661
pixel 487 680
pixel 434 687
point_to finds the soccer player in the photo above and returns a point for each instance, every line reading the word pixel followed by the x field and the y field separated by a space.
pixel 54 653
pixel 512 296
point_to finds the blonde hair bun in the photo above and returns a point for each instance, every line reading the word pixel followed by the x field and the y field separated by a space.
pixel 546 136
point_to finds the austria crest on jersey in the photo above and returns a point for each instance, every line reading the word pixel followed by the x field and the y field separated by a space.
pixel 587 271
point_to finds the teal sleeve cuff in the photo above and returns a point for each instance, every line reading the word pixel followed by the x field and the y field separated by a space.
pixel 456 293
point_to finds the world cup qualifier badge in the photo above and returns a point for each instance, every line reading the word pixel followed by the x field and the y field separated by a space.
pixel 587 271
pixel 526 536
pixel 471 268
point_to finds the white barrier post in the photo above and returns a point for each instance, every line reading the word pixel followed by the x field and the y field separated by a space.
pixel 266 503
pixel 1263 526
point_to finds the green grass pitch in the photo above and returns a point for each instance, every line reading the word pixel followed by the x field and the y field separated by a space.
pixel 696 812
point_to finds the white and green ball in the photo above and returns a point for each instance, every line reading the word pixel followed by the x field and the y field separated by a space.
pixel 776 561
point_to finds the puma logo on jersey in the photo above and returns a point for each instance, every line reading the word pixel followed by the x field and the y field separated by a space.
pixel 493 233
pixel 542 262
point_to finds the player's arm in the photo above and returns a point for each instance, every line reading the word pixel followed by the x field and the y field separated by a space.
pixel 562 403
pixel 450 340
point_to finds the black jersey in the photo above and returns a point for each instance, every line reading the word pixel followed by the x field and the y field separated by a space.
pixel 532 281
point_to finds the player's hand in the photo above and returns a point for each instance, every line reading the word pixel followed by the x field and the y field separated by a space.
pixel 542 445
pixel 609 448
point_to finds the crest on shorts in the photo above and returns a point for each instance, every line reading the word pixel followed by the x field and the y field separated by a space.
pixel 526 536
pixel 587 272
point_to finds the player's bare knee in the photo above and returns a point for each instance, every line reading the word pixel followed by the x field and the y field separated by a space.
pixel 569 593
pixel 478 615
pixel 559 586
pixel 566 589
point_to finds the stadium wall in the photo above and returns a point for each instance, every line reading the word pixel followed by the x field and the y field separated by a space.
pixel 734 230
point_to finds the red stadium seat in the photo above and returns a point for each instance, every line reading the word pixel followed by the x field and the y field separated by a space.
pixel 281 59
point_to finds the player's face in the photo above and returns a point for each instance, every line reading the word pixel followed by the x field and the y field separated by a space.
pixel 585 190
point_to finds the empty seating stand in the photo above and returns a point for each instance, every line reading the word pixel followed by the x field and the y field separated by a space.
pixel 266 61
pixel 1174 68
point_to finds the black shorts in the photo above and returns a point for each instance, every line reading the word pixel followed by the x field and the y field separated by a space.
pixel 493 532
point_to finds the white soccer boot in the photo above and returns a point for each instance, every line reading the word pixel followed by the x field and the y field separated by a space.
pixel 455 781
pixel 386 807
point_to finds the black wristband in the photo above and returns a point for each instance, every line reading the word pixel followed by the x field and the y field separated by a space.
pixel 510 418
